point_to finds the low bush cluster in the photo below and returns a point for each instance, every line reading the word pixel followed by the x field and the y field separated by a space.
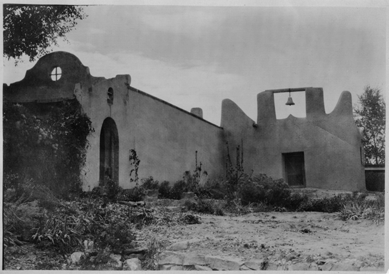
pixel 263 189
pixel 33 214
pixel 206 207
pixel 358 208
pixel 254 194
pixel 165 190
pixel 69 225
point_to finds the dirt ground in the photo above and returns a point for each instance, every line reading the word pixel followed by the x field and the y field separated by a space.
pixel 285 240
pixel 260 241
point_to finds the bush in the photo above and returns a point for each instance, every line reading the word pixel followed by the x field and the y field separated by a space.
pixel 150 261
pixel 215 189
pixel 164 190
pixel 216 193
pixel 72 223
pixel 21 219
pixel 149 183
pixel 134 194
pixel 359 208
pixel 295 201
pixel 177 190
pixel 205 207
pixel 263 189
pixel 120 236
pixel 111 189
pixel 329 205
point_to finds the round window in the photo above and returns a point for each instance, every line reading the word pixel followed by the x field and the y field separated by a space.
pixel 56 74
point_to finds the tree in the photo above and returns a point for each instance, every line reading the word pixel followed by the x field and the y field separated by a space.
pixel 371 116
pixel 31 29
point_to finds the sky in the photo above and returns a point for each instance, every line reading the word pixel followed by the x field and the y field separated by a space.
pixel 196 56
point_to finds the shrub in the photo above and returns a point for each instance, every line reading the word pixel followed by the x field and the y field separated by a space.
pixel 250 192
pixel 177 190
pixel 205 207
pixel 111 189
pixel 118 236
pixel 329 205
pixel 202 192
pixel 20 220
pixel 263 189
pixel 150 261
pixel 216 193
pixel 149 183
pixel 295 200
pixel 189 219
pixel 164 190
pixel 24 209
pixel 134 194
pixel 69 225
pixel 364 209
pixel 215 189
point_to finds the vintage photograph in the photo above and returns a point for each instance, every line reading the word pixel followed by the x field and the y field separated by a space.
pixel 194 136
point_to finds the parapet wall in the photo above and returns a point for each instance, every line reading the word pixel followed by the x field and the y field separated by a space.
pixel 330 143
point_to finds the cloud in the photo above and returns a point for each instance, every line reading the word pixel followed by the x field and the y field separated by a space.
pixel 197 56
pixel 188 21
pixel 196 86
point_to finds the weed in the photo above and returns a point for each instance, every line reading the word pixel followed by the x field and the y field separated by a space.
pixel 189 219
pixel 66 228
pixel 214 189
pixel 135 194
pixel 177 190
pixel 205 207
pixel 149 183
pixel 151 258
pixel 234 174
pixel 356 209
pixel 111 189
pixel 164 190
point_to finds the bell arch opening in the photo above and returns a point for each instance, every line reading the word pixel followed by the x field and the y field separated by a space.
pixel 284 108
pixel 109 152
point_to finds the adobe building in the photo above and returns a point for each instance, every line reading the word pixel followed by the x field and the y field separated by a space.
pixel 319 151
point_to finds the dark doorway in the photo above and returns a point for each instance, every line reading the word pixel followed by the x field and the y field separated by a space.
pixel 294 171
pixel 109 152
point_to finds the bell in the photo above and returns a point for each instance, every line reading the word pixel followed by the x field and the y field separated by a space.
pixel 289 102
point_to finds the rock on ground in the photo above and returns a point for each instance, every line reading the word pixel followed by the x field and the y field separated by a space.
pixel 76 257
pixel 132 264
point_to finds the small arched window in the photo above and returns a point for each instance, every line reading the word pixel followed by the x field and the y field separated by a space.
pixel 110 96
pixel 56 74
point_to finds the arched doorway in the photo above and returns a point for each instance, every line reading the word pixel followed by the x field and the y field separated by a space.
pixel 109 152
